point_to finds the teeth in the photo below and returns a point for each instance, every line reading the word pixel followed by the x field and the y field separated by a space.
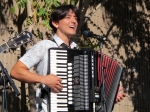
pixel 72 26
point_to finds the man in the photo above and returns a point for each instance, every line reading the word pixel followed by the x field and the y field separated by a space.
pixel 64 21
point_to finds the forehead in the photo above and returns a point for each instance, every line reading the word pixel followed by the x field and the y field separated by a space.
pixel 70 12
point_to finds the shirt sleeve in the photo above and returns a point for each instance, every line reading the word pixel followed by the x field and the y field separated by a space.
pixel 34 55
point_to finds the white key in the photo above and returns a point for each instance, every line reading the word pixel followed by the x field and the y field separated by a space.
pixel 59 109
pixel 64 81
pixel 58 69
pixel 54 51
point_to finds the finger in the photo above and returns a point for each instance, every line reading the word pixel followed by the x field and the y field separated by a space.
pixel 55 90
pixel 59 87
pixel 116 100
pixel 121 98
pixel 123 94
pixel 120 89
pixel 59 79
pixel 59 83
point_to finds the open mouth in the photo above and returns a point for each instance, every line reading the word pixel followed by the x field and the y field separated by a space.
pixel 72 26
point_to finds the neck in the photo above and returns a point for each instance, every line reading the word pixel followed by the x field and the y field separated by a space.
pixel 66 41
pixel 64 38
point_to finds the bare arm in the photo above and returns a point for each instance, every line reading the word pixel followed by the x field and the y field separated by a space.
pixel 20 72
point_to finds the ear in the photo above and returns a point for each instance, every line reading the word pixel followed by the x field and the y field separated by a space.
pixel 55 24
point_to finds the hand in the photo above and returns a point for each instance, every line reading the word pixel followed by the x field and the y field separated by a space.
pixel 120 95
pixel 53 82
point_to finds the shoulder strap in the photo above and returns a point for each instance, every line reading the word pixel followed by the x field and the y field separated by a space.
pixel 63 45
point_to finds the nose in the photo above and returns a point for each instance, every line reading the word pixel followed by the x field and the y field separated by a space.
pixel 74 20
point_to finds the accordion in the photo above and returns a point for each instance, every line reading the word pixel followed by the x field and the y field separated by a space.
pixel 81 74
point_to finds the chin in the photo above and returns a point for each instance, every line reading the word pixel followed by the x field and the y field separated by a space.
pixel 72 34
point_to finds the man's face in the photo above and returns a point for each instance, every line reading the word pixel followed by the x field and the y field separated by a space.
pixel 68 25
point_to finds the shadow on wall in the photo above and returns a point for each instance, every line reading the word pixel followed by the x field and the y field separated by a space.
pixel 133 35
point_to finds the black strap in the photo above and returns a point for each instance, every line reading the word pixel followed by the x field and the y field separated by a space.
pixel 63 45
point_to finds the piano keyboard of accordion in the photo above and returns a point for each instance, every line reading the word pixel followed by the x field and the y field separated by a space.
pixel 79 71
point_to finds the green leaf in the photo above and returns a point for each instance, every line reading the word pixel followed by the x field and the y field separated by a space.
pixel 46 23
pixel 19 6
pixel 23 4
pixel 34 4
pixel 41 12
pixel 56 3
pixel 25 1
pixel 40 35
pixel 12 9
pixel 29 21
pixel 47 1
pixel 17 0
pixel 72 2
pixel 46 13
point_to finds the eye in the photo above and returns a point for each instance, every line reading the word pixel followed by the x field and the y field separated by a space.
pixel 75 18
pixel 67 17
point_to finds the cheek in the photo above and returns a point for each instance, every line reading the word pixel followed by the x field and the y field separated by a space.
pixel 77 23
pixel 63 23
